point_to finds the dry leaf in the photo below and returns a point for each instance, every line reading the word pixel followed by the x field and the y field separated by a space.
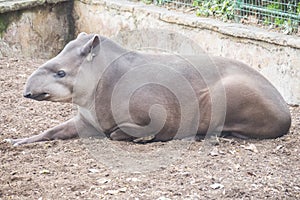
pixel 93 170
pixel 103 180
pixel 112 192
pixel 44 171
pixel 216 186
pixel 250 147
pixel 214 152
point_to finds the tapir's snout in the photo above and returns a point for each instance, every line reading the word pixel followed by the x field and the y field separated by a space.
pixel 39 97
pixel 34 88
pixel 27 95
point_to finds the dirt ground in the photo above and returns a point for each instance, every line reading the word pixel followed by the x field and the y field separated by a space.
pixel 232 169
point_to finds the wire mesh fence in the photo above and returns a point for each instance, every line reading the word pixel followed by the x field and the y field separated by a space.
pixel 276 14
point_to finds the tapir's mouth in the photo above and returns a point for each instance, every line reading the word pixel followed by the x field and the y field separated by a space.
pixel 39 97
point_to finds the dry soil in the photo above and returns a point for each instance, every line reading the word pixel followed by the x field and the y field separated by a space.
pixel 231 169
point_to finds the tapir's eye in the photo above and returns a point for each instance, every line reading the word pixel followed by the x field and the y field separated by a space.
pixel 61 73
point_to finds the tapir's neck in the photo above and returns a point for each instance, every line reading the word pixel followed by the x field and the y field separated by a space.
pixel 91 71
pixel 110 51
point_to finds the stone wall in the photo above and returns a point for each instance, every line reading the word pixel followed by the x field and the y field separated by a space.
pixel 275 55
pixel 37 28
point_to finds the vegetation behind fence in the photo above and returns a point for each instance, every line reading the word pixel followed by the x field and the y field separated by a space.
pixel 283 15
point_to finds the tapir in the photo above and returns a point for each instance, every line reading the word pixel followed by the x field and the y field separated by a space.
pixel 130 95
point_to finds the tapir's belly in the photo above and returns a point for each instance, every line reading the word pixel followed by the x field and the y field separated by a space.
pixel 89 115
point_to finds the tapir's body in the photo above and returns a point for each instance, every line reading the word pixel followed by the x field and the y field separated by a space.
pixel 227 96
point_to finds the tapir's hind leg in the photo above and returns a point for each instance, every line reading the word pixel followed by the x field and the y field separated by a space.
pixel 254 112
pixel 132 132
pixel 119 135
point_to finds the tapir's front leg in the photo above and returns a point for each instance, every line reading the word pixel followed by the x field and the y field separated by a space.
pixel 66 130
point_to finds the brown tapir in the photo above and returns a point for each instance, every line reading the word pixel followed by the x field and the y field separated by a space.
pixel 128 95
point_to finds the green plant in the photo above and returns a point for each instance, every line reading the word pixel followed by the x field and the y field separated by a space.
pixel 161 1
pixel 6 19
pixel 218 8
pixel 279 21
pixel 266 21
pixel 196 2
pixel 4 22
pixel 274 6
pixel 147 1
pixel 289 26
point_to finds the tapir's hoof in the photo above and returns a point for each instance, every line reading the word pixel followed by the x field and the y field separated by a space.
pixel 15 142
pixel 11 141
pixel 144 139
pixel 8 140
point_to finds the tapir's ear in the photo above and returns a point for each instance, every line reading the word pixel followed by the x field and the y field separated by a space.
pixel 81 35
pixel 92 47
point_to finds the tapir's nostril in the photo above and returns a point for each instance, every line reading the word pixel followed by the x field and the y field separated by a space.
pixel 27 95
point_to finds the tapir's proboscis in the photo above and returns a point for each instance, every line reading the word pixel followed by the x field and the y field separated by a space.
pixel 89 69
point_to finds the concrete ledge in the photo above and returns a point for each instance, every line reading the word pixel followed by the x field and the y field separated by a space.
pixel 190 20
pixel 13 5
pixel 230 29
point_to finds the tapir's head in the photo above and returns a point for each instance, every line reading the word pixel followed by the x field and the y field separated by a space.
pixel 54 80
